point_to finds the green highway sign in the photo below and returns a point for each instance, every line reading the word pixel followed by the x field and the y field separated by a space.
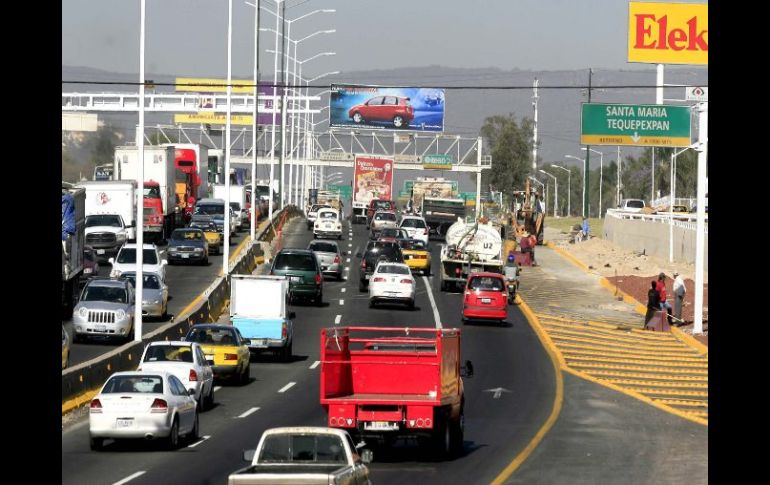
pixel 635 125
pixel 346 191
pixel 437 161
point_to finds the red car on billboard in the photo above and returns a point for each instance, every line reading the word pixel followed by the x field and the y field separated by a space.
pixel 395 109
pixel 486 297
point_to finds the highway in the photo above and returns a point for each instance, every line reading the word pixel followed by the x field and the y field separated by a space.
pixel 498 424
pixel 185 282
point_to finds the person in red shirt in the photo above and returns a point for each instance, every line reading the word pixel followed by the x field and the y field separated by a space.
pixel 661 287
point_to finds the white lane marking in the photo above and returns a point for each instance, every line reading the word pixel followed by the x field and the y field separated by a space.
pixel 337 319
pixel 343 290
pixel 216 388
pixel 347 260
pixel 204 438
pixel 436 316
pixel 350 245
pixel 250 411
pixel 342 302
pixel 315 364
pixel 130 477
pixel 286 387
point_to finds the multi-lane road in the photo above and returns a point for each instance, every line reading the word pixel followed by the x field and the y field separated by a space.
pixel 499 422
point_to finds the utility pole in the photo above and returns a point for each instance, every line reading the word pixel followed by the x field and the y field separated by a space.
pixel 534 143
pixel 588 157
pixel 617 189
pixel 283 102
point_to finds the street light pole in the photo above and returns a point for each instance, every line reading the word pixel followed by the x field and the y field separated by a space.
pixel 601 175
pixel 140 188
pixel 254 205
pixel 569 188
pixel 556 191
pixel 226 255
pixel 585 171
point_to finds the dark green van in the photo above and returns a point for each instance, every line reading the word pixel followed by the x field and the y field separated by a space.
pixel 301 267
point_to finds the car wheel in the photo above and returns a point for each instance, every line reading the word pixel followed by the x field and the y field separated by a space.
pixel 172 442
pixel 411 304
pixel 195 432
pixel 206 261
pixel 371 303
pixel 398 121
pixel 287 352
pixel 96 444
pixel 320 299
pixel 357 118
pixel 339 276
pixel 457 434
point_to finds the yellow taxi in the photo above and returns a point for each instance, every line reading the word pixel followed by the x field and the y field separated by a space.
pixel 224 349
pixel 416 255
pixel 209 228
pixel 65 348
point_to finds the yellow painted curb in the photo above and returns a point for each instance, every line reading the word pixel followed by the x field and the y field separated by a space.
pixel 556 360
pixel 691 341
pixel 238 249
pixel 77 401
pixel 639 396
pixel 192 304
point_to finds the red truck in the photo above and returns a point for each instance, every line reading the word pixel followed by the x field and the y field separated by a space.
pixel 192 160
pixel 386 383
pixel 378 205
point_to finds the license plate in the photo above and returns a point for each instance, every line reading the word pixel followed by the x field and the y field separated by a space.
pixel 380 426
pixel 261 343
pixel 185 256
pixel 296 279
pixel 146 228
pixel 124 423
pixel 100 251
pixel 486 300
pixel 100 328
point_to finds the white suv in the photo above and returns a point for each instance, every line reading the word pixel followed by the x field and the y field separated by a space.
pixel 632 205
pixel 126 261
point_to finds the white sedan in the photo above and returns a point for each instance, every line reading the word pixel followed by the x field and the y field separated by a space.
pixel 142 404
pixel 187 362
pixel 392 283
pixel 416 228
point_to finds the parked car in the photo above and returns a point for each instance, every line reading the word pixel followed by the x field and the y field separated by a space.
pixel 209 228
pixel 65 348
pixel 106 308
pixel 90 263
pixel 126 260
pixel 375 252
pixel 394 109
pixel 416 255
pixel 188 245
pixel 304 272
pixel 416 227
pixel 329 256
pixel 154 293
pixel 632 205
pixel 224 349
pixel 486 297
pixel 392 283
pixel 381 220
pixel 142 405
pixel 327 224
pixel 187 362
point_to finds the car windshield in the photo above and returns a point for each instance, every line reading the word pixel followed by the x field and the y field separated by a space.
pixel 210 209
pixel 187 235
pixel 319 448
pixel 104 220
pixel 323 247
pixel 128 256
pixel 212 336
pixel 392 269
pixel 152 192
pixel 413 223
pixel 385 216
pixel 134 384
pixel 110 294
pixel 486 283
pixel 168 353
pixel 413 244
pixel 298 261
pixel 150 281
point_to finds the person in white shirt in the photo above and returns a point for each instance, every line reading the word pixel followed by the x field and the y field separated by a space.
pixel 679 292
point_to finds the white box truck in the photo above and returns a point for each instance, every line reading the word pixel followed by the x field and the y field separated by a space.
pixel 110 215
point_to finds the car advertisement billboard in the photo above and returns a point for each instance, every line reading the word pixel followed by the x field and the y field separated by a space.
pixel 386 108
pixel 373 178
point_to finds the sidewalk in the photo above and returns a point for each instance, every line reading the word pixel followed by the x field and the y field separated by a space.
pixel 597 334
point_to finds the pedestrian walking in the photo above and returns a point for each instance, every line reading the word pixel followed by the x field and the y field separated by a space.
pixel 679 292
pixel 661 287
pixel 653 302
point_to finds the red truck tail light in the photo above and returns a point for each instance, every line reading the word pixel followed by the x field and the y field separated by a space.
pixel 193 376
pixel 317 279
pixel 337 259
pixel 378 280
pixel 231 356
pixel 159 406
pixel 284 330
pixel 96 406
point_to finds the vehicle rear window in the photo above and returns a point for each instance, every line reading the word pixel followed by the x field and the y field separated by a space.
pixel 303 448
pixel 212 336
pixel 635 204
pixel 323 247
pixel 210 209
pixel 413 244
pixel 327 215
pixel 392 269
pixel 382 204
pixel 413 223
pixel 150 281
pixel 168 353
pixel 303 262
pixel 385 216
pixel 486 283
pixel 128 256
pixel 391 232
pixel 134 384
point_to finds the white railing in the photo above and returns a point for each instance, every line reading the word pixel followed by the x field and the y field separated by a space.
pixel 685 221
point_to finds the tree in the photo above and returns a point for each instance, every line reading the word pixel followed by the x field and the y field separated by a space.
pixel 510 145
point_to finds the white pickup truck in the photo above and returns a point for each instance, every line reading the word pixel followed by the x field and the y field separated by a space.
pixel 308 455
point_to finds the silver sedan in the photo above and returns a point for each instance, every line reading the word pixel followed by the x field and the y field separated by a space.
pixel 154 294
pixel 329 257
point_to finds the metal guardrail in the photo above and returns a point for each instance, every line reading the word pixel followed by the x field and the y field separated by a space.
pixel 685 221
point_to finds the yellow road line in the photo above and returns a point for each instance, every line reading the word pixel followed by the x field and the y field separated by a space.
pixel 609 340
pixel 684 403
pixel 669 392
pixel 698 413
pixel 611 353
pixel 637 368
pixel 654 363
pixel 690 340
pixel 557 401
pixel 605 344
pixel 686 415
pixel 684 353
pixel 648 375
pixel 692 385
pixel 643 335
pixel 237 251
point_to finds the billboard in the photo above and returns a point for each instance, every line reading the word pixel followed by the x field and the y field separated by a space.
pixel 207 87
pixel 386 108
pixel 372 178
pixel 668 33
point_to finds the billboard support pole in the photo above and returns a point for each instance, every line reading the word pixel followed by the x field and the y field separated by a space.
pixel 700 221
pixel 478 176
pixel 254 205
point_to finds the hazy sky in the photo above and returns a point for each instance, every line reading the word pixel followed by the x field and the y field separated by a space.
pixel 189 37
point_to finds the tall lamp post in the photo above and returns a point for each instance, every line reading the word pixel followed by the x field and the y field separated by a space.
pixel 556 191
pixel 140 182
pixel 542 185
pixel 601 175
pixel 569 188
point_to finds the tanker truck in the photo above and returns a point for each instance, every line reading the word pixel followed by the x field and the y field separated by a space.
pixel 470 247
